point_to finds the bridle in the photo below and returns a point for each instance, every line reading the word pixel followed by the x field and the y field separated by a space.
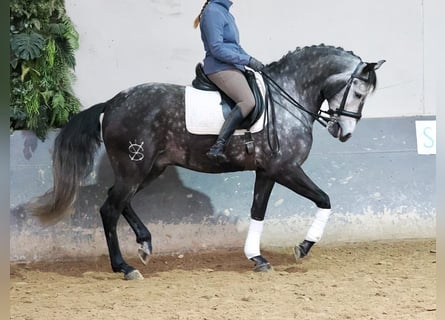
pixel 331 114
pixel 340 111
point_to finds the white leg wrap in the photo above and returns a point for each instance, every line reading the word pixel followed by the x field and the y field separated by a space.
pixel 252 245
pixel 317 228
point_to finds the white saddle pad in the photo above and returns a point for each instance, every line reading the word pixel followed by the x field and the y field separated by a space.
pixel 203 111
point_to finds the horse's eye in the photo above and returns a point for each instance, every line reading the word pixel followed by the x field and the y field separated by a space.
pixel 358 95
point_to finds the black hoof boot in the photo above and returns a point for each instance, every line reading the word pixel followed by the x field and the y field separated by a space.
pixel 261 264
pixel 216 151
pixel 303 249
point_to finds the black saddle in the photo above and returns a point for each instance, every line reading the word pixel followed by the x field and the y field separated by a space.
pixel 202 82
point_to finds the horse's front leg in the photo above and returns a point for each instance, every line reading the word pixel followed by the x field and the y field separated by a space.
pixel 295 179
pixel 263 188
pixel 314 233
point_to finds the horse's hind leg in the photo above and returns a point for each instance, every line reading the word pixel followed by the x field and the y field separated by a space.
pixel 262 190
pixel 118 199
pixel 143 236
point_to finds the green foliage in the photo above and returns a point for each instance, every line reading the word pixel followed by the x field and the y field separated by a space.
pixel 42 45
pixel 27 46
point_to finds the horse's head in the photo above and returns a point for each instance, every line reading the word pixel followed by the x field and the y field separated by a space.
pixel 346 94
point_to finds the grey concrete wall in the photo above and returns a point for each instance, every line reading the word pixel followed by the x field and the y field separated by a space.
pixel 380 188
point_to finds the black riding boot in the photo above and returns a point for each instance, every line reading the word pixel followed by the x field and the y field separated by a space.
pixel 232 122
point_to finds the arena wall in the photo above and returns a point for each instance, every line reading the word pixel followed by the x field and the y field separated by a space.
pixel 380 189
pixel 124 43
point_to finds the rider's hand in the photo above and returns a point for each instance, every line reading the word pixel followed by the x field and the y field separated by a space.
pixel 255 64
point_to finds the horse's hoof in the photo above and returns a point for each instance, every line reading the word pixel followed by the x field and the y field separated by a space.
pixel 134 275
pixel 144 253
pixel 298 254
pixel 261 264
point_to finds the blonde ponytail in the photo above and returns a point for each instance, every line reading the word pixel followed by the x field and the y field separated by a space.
pixel 198 17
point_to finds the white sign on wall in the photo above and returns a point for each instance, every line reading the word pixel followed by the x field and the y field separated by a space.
pixel 426 137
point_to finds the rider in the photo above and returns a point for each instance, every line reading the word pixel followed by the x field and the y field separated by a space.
pixel 224 64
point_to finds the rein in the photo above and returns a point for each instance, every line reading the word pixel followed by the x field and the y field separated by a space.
pixel 325 121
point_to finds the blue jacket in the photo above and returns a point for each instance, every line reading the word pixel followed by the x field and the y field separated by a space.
pixel 220 36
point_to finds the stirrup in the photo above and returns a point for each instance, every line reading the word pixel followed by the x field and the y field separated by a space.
pixel 216 151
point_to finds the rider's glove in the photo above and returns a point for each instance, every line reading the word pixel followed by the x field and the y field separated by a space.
pixel 255 64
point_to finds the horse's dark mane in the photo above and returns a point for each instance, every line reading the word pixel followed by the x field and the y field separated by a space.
pixel 321 47
pixel 322 50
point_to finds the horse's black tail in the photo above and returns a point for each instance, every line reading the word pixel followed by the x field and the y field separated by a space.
pixel 73 159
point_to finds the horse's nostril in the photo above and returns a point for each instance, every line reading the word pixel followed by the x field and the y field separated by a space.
pixel 345 137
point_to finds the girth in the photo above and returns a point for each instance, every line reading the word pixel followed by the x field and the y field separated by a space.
pixel 202 82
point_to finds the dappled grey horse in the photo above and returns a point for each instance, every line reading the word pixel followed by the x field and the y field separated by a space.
pixel 154 114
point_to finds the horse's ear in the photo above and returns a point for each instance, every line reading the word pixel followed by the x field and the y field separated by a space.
pixel 372 66
pixel 379 64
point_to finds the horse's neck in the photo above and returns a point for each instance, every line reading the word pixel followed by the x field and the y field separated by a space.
pixel 306 91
